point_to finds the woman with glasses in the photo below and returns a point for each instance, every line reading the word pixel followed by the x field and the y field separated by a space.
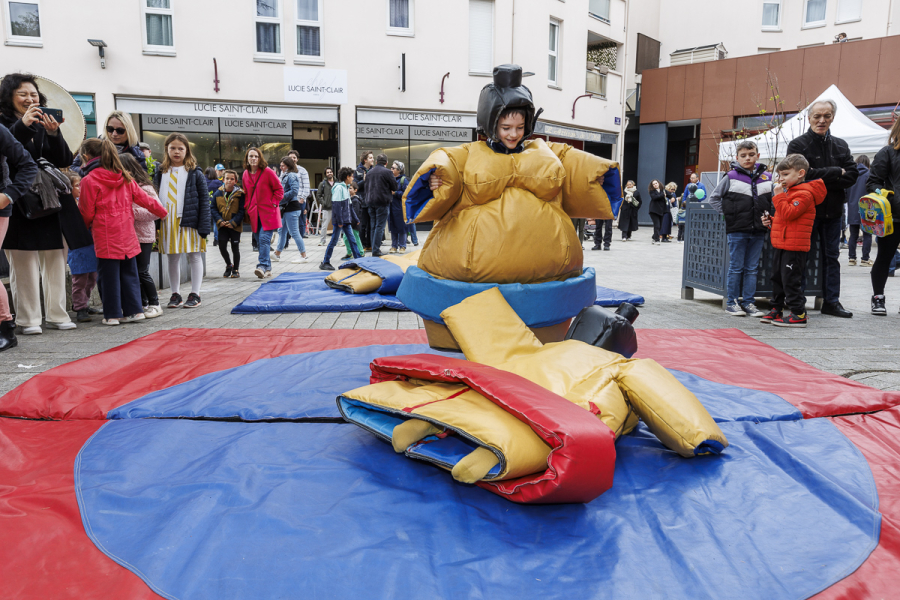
pixel 119 129
pixel 35 248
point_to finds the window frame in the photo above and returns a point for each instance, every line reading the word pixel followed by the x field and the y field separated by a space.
pixel 270 57
pixel 853 20
pixel 601 18
pixel 152 49
pixel 489 71
pixel 304 59
pixel 554 83
pixel 21 40
pixel 813 24
pixel 777 26
pixel 401 31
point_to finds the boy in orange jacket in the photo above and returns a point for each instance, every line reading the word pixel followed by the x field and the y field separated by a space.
pixel 795 203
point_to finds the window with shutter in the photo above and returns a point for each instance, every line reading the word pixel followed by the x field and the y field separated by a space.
pixel 848 11
pixel 158 17
pixel 309 32
pixel 814 13
pixel 481 37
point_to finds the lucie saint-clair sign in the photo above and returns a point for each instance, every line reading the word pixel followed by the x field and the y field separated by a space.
pixel 311 85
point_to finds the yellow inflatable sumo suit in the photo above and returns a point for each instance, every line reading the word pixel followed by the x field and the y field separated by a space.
pixel 358 280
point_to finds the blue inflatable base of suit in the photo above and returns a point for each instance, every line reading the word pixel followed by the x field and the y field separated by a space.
pixel 220 509
pixel 307 292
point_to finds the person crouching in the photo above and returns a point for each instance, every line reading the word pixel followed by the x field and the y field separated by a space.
pixel 107 192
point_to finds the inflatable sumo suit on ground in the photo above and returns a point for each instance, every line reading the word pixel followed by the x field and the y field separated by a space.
pixel 505 216
pixel 532 422
pixel 372 274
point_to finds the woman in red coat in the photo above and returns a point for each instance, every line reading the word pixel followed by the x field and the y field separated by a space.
pixel 263 192
pixel 107 193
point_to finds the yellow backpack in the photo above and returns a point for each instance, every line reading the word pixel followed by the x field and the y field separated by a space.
pixel 875 213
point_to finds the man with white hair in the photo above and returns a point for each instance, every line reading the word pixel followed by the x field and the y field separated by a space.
pixel 831 161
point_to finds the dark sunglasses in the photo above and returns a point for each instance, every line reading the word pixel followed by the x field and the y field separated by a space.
pixel 119 130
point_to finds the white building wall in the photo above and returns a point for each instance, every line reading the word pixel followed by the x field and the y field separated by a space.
pixel 354 39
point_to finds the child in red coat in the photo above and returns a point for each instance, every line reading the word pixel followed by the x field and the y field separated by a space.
pixel 795 210
pixel 107 192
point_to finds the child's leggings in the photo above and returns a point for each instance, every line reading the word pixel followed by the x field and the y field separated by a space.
pixel 82 286
pixel 196 263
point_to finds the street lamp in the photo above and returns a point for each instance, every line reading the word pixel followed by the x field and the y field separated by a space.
pixel 99 44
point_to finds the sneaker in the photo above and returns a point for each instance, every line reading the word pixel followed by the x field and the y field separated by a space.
pixel 235 274
pixel 268 273
pixel 734 309
pixel 596 248
pixel 415 243
pixel 228 271
pixel 392 250
pixel 32 330
pixel 276 257
pixel 878 307
pixel 259 273
pixel 654 242
pixel 301 260
pixel 606 247
pixel 83 316
pixel 322 243
pixel 866 263
pixel 751 311
pixel 153 311
pixel 326 267
pixel 347 257
pixel 110 321
pixel 772 315
pixel 844 245
pixel 64 326
pixel 401 250
pixel 175 301
pixel 193 301
pixel 851 262
pixel 791 321
pixel 132 318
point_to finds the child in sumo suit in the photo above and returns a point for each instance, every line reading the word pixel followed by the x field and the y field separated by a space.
pixel 503 208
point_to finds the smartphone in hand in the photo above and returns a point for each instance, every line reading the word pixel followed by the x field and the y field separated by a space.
pixel 56 113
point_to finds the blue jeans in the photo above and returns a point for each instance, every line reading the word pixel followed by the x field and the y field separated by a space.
pixel 265 245
pixel 411 230
pixel 291 223
pixel 336 235
pixel 744 250
pixel 829 232
pixel 378 216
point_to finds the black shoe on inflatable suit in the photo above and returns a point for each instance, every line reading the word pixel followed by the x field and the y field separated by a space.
pixel 605 329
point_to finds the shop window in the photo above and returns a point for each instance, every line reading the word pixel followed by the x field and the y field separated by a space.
pixel 158 33
pixel 771 15
pixel 268 31
pixel 88 109
pixel 814 13
pixel 23 24
pixel 235 145
pixel 401 17
pixel 309 32
pixel 599 9
pixel 553 60
pixel 848 11
pixel 481 37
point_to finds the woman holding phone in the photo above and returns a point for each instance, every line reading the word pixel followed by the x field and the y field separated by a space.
pixel 35 248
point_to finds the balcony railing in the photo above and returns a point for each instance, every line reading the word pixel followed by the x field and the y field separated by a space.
pixel 599 9
pixel 595 83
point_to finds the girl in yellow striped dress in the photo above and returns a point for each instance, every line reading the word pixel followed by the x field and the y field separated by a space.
pixel 183 191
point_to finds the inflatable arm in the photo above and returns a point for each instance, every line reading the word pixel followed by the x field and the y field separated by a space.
pixel 583 197
pixel 419 202
pixel 372 274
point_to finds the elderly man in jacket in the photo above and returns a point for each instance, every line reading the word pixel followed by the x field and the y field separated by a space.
pixel 380 188
pixel 831 161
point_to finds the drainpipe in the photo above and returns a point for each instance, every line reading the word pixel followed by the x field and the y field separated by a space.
pixel 890 18
pixel 512 36
pixel 624 122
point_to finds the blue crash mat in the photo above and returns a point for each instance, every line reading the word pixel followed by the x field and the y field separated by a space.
pixel 203 509
pixel 307 292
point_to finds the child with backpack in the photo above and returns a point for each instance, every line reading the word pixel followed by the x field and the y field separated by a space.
pixel 107 192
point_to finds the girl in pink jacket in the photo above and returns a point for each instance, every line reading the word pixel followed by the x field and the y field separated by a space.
pixel 107 193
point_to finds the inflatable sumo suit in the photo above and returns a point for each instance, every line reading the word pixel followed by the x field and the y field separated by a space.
pixel 532 422
pixel 505 216
pixel 372 274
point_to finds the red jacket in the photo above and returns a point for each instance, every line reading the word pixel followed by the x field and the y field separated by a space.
pixel 263 193
pixel 105 205
pixel 795 211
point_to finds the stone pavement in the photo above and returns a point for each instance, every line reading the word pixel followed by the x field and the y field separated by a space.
pixel 842 346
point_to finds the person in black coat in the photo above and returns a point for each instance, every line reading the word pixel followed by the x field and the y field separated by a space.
pixel 35 247
pixel 366 160
pixel 885 175
pixel 380 188
pixel 657 207
pixel 829 160
pixel 628 213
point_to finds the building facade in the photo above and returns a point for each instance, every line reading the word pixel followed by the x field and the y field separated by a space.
pixel 328 78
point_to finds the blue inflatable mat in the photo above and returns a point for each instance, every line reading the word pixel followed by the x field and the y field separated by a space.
pixel 613 298
pixel 305 386
pixel 307 292
pixel 221 510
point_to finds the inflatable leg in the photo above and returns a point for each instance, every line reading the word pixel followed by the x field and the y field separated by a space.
pixel 409 432
pixel 474 466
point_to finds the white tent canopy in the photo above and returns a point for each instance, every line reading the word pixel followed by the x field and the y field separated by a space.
pixel 862 134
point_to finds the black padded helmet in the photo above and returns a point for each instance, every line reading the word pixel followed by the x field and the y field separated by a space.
pixel 504 93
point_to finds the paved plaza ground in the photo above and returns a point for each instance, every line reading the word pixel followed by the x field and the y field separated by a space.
pixel 841 346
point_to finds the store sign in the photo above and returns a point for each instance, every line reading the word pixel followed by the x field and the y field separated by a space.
pixel 170 123
pixel 382 132
pixel 415 117
pixel 575 134
pixel 315 86
pixel 441 134
pixel 237 110
pixel 256 126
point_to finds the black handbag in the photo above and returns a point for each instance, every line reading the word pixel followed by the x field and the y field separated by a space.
pixel 42 199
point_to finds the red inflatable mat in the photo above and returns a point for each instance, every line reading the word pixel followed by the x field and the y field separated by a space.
pixel 733 357
pixel 90 387
pixel 44 551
